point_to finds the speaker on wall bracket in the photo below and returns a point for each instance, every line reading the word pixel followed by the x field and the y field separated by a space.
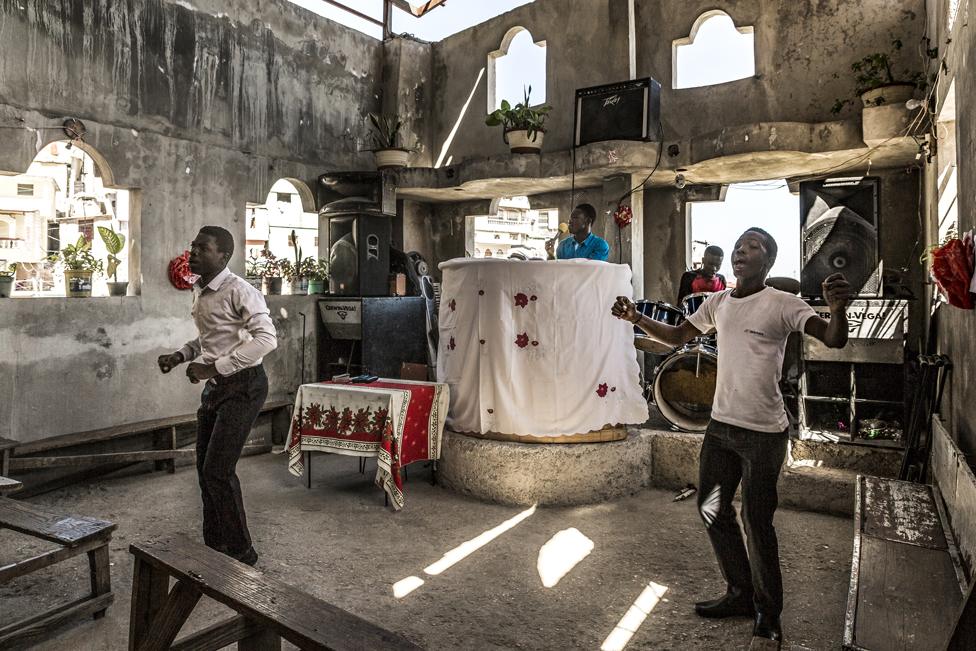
pixel 839 233
pixel 628 110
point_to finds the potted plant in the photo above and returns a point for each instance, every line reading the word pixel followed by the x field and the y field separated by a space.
pixel 388 149
pixel 876 84
pixel 272 271
pixel 79 266
pixel 296 271
pixel 7 280
pixel 318 275
pixel 523 126
pixel 114 243
pixel 254 271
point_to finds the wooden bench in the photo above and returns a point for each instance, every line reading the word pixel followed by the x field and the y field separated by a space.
pixel 6 445
pixel 36 455
pixel 74 536
pixel 907 581
pixel 268 609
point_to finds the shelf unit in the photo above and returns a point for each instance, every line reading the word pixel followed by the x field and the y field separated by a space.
pixel 836 397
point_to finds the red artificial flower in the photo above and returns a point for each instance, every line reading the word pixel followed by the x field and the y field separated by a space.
pixel 623 215
pixel 602 390
pixel 522 340
pixel 521 300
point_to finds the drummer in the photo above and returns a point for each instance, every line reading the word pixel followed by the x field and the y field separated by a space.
pixel 747 436
pixel 706 278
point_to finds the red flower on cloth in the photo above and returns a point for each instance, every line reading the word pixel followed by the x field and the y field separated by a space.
pixel 452 305
pixel 521 300
pixel 379 422
pixel 360 422
pixel 330 422
pixel 451 345
pixel 345 422
pixel 522 340
pixel 313 414
pixel 602 390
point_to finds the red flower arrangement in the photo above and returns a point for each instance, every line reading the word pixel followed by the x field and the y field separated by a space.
pixel 623 215
pixel 179 272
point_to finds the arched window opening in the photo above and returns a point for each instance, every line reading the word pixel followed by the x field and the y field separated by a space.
pixel 65 193
pixel 715 52
pixel 515 230
pixel 518 64
pixel 289 208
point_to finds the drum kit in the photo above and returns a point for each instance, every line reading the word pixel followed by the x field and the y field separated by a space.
pixel 683 382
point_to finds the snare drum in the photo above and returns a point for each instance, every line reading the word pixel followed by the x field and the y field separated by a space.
pixel 656 311
pixel 691 302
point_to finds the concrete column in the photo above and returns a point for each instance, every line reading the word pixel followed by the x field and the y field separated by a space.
pixel 626 244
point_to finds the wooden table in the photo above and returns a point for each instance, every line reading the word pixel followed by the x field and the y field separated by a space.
pixel 8 485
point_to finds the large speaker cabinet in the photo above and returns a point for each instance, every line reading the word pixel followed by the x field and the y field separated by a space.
pixel 629 110
pixel 839 232
pixel 359 247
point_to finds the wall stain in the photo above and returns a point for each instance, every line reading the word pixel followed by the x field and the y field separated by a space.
pixel 99 338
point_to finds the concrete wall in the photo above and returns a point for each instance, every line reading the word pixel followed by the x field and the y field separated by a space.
pixel 955 328
pixel 803 54
pixel 200 111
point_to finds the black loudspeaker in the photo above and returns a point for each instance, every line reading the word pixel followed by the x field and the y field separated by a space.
pixel 839 233
pixel 629 110
pixel 359 247
pixel 376 187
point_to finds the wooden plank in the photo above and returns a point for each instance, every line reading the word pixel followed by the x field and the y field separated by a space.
pixel 35 463
pixel 100 573
pixel 908 596
pixel 30 631
pixel 300 618
pixel 901 511
pixel 964 635
pixel 263 640
pixel 61 529
pixel 851 614
pixel 150 586
pixel 8 485
pixel 170 618
pixel 127 429
pixel 217 636
pixel 11 571
pixel 7 444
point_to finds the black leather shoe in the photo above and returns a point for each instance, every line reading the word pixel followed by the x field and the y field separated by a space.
pixel 249 557
pixel 768 626
pixel 735 603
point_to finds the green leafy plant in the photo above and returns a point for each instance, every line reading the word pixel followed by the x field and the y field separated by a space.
pixel 521 117
pixel 271 266
pixel 114 242
pixel 78 257
pixel 316 269
pixel 385 132
pixel 10 271
pixel 254 266
pixel 874 71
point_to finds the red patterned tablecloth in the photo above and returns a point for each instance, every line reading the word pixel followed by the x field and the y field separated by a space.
pixel 396 421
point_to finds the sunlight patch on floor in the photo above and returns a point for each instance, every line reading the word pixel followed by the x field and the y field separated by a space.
pixel 634 617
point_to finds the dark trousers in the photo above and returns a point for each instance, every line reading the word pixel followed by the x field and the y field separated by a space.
pixel 730 455
pixel 229 406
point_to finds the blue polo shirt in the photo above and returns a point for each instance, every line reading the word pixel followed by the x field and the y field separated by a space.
pixel 593 247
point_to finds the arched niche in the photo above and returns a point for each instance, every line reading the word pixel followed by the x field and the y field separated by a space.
pixel 519 62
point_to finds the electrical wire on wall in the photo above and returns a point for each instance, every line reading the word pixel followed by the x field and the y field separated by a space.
pixel 620 201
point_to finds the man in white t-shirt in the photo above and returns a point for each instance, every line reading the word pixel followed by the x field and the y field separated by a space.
pixel 747 436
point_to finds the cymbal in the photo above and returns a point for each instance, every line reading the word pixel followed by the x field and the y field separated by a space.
pixel 649 345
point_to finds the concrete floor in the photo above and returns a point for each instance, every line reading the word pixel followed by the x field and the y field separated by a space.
pixel 338 542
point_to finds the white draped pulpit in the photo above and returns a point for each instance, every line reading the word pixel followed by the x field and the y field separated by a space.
pixel 530 349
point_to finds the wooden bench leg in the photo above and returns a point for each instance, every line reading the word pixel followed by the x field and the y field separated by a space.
pixel 165 440
pixel 101 577
pixel 149 589
pixel 265 640
pixel 5 463
pixel 308 470
pixel 170 618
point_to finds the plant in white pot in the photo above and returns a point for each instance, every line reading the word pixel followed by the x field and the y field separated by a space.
pixel 523 125
pixel 7 276
pixel 254 271
pixel 114 243
pixel 877 85
pixel 272 269
pixel 388 149
pixel 79 267
pixel 296 272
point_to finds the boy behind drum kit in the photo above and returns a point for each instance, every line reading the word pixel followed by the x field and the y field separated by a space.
pixel 746 438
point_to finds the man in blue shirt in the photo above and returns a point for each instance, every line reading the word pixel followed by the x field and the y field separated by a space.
pixel 583 243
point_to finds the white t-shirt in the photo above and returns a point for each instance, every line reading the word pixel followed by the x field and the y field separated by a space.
pixel 752 334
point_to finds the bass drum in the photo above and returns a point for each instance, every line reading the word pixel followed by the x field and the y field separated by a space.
pixel 684 386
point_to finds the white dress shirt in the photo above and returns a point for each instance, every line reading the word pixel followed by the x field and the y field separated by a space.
pixel 233 322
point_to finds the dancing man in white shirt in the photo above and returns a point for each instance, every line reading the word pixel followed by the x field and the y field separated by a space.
pixel 235 333
pixel 746 438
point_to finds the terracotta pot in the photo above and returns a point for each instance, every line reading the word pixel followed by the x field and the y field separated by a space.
pixel 6 286
pixel 520 143
pixel 273 285
pixel 390 158
pixel 891 94
pixel 77 284
pixel 117 288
